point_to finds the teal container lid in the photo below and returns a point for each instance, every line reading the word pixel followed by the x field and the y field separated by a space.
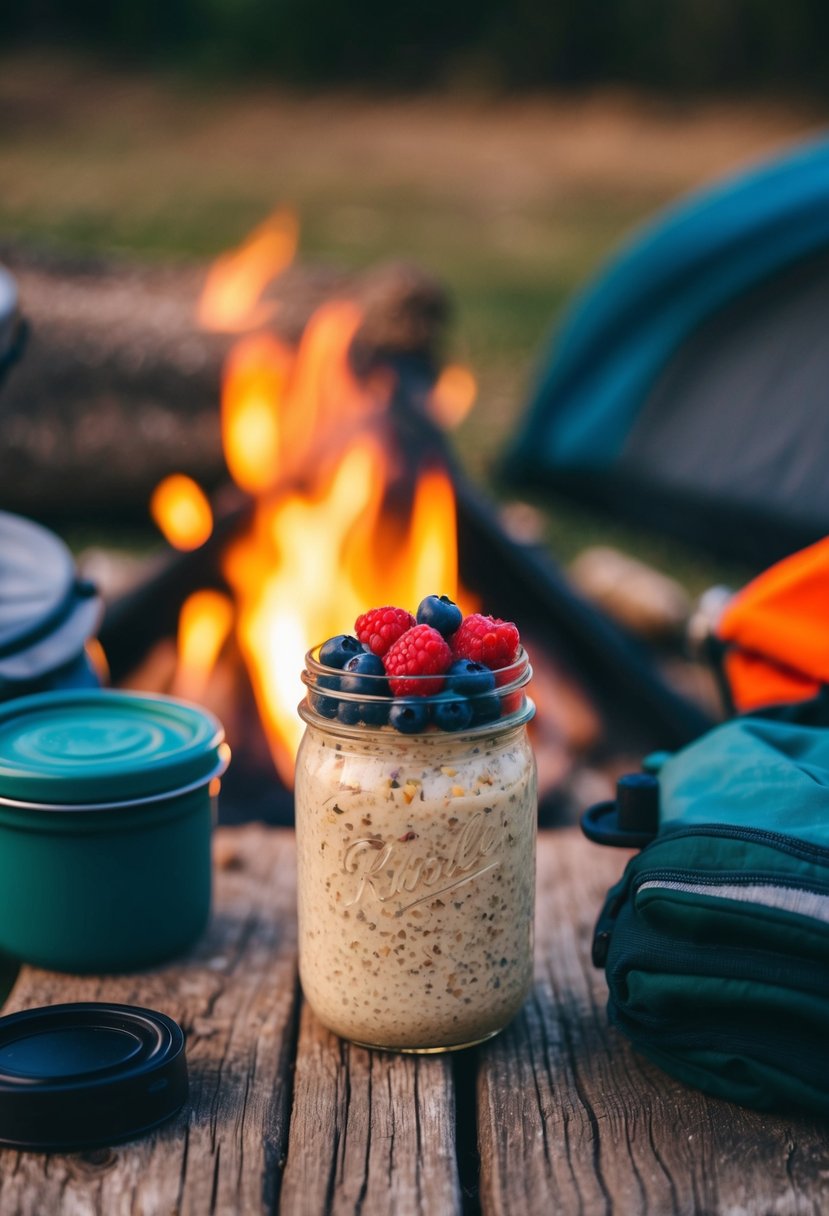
pixel 85 747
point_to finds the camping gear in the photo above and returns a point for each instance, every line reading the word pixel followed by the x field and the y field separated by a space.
pixel 687 389
pixel 771 642
pixel 47 613
pixel 715 942
pixel 106 810
pixel 631 819
pixel 81 1076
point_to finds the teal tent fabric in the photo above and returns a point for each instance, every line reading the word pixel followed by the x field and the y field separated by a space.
pixel 696 257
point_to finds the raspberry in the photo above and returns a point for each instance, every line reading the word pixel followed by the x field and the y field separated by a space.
pixel 510 702
pixel 486 639
pixel 379 628
pixel 421 651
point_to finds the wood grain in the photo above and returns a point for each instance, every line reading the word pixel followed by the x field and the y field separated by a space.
pixel 568 1118
pixel 235 997
pixel 571 1120
pixel 371 1132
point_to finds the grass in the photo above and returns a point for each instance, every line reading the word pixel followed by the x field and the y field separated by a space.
pixel 512 203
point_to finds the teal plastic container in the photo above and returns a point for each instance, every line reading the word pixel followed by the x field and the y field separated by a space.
pixel 107 802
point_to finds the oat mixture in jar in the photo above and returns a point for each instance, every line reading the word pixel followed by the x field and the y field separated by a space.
pixel 416 869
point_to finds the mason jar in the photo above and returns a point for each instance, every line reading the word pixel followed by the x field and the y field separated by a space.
pixel 416 864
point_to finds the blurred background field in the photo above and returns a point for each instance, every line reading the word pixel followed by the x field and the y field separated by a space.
pixel 512 198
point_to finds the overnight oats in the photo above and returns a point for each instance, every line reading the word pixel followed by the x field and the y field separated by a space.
pixel 416 824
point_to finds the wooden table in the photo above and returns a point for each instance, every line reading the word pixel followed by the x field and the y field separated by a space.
pixel 557 1115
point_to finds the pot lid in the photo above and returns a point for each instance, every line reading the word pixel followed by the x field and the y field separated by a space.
pixel 82 748
pixel 37 577
pixel 82 1076
pixel 46 613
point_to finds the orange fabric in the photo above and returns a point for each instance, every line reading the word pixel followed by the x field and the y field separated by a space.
pixel 755 682
pixel 777 631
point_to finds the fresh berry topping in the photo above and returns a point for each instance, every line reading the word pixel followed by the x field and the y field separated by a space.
pixel 451 712
pixel 441 613
pixel 486 708
pixel 371 713
pixel 380 628
pixel 421 651
pixel 360 675
pixel 326 706
pixel 348 712
pixel 510 702
pixel 409 717
pixel 486 639
pixel 469 678
pixel 375 713
pixel 337 651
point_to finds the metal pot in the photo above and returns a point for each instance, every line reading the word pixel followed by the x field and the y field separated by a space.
pixel 47 614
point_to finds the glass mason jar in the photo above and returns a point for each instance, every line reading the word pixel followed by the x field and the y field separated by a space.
pixel 416 864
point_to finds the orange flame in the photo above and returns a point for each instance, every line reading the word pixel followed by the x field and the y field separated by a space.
pixel 254 382
pixel 433 546
pixel 325 398
pixel 181 511
pixel 453 396
pixel 232 293
pixel 292 589
pixel 205 622
pixel 301 434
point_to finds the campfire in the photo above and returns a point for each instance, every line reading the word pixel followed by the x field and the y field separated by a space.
pixel 341 517
pixel 344 493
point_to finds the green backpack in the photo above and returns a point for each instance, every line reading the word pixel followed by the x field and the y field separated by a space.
pixel 715 942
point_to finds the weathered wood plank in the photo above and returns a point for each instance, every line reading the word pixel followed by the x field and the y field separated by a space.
pixel 571 1120
pixel 371 1132
pixel 235 997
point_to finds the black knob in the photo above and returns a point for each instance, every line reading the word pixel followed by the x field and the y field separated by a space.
pixel 637 802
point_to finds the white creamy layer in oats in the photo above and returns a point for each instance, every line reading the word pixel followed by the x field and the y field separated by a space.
pixel 416 864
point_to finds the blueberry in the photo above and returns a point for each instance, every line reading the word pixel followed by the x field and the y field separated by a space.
pixel 326 706
pixel 348 712
pixel 470 678
pixel 441 613
pixel 374 713
pixel 337 651
pixel 365 673
pixel 486 708
pixel 409 717
pixel 451 711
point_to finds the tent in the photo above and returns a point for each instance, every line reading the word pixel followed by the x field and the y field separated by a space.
pixel 688 388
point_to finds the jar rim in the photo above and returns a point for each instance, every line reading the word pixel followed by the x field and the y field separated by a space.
pixel 482 730
pixel 513 679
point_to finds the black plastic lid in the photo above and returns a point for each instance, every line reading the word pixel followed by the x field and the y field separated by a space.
pixel 88 1075
pixel 631 820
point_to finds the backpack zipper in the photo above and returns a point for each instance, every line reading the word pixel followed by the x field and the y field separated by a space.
pixel 803 850
pixel 787 844
pixel 759 890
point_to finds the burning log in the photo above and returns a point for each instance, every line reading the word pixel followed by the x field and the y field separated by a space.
pixel 120 385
